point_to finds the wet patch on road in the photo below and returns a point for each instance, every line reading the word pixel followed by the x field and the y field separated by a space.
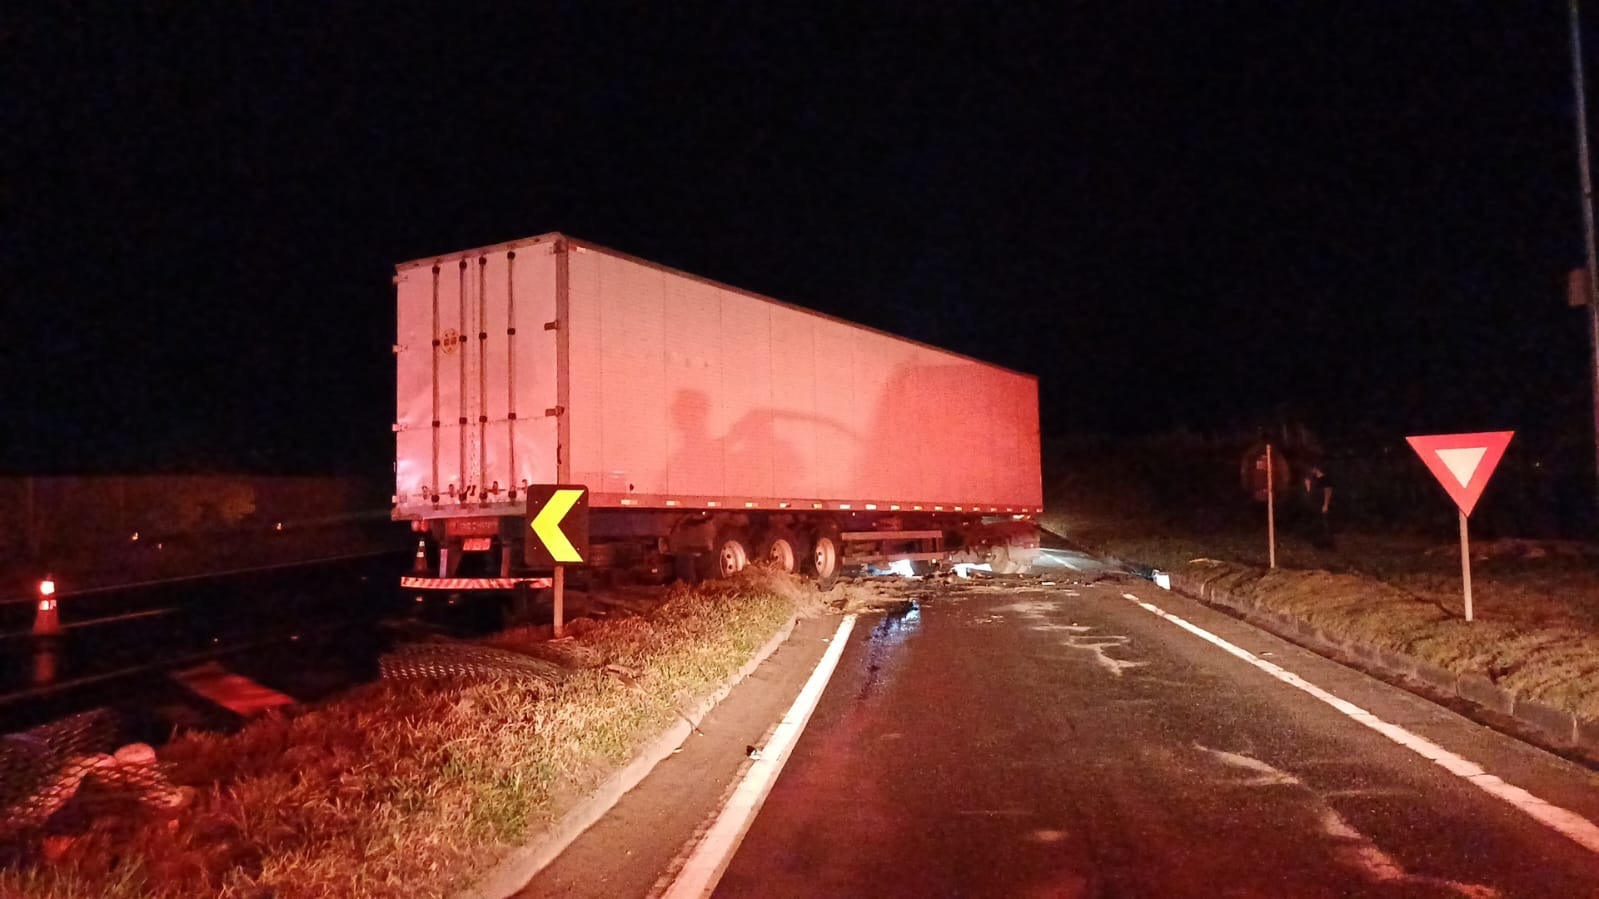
pixel 884 646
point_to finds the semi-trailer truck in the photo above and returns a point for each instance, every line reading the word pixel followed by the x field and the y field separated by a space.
pixel 712 427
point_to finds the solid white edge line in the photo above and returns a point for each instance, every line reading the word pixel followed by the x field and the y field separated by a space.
pixel 710 858
pixel 1563 821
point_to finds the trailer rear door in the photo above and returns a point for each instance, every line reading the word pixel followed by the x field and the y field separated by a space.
pixel 476 380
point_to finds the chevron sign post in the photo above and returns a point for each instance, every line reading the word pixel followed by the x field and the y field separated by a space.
pixel 1463 463
pixel 557 535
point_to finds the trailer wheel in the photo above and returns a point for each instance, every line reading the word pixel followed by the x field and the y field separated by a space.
pixel 729 554
pixel 825 560
pixel 782 551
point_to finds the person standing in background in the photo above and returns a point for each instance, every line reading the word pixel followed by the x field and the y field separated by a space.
pixel 1318 501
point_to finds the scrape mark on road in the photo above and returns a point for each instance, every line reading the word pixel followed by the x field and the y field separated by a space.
pixel 1071 628
pixel 1030 608
pixel 1101 656
pixel 1034 612
pixel 1266 775
pixel 1359 851
pixel 1351 847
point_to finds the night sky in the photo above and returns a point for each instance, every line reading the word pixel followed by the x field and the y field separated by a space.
pixel 1208 215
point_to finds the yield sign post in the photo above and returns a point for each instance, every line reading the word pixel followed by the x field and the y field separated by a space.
pixel 1463 463
pixel 557 534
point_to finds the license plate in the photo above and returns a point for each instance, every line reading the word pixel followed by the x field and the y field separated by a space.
pixel 475 544
pixel 471 527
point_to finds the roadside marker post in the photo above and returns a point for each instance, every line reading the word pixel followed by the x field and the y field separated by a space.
pixel 557 535
pixel 1271 512
pixel 1260 473
pixel 1463 463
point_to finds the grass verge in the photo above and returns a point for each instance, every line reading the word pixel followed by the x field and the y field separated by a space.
pixel 1536 603
pixel 415 788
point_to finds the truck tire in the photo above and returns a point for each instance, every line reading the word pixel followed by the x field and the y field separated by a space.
pixel 729 554
pixel 782 551
pixel 825 559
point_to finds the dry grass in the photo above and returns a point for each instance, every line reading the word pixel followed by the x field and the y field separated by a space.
pixel 1536 611
pixel 1543 655
pixel 1536 603
pixel 413 789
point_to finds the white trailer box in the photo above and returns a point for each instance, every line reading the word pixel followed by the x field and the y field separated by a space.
pixel 551 360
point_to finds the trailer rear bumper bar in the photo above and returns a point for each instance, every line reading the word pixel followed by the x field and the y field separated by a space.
pixel 473 583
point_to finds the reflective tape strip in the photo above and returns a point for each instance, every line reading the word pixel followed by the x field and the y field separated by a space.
pixel 472 583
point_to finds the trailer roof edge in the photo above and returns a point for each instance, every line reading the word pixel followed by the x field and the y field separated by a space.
pixel 598 248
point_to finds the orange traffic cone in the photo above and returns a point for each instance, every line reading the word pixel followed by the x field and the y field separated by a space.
pixel 420 566
pixel 46 662
pixel 47 620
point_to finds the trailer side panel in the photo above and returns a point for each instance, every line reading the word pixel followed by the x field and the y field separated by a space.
pixel 689 393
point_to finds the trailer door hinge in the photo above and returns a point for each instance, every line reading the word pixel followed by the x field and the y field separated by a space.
pixel 552 326
pixel 555 411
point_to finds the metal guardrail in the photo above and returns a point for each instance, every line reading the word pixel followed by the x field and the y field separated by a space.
pixel 208 575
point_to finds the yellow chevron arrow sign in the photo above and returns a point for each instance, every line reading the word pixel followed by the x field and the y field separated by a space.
pixel 555 525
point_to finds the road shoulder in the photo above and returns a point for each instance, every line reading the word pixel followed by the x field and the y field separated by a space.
pixel 631 832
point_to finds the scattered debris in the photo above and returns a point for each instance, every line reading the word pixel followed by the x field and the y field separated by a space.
pixel 444 660
pixel 628 676
pixel 55 786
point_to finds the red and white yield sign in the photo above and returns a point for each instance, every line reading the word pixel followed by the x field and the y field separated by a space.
pixel 1462 462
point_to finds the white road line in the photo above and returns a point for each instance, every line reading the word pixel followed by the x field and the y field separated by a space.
pixel 1564 821
pixel 704 867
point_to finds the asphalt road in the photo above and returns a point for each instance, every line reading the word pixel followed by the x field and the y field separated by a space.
pixel 1065 742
